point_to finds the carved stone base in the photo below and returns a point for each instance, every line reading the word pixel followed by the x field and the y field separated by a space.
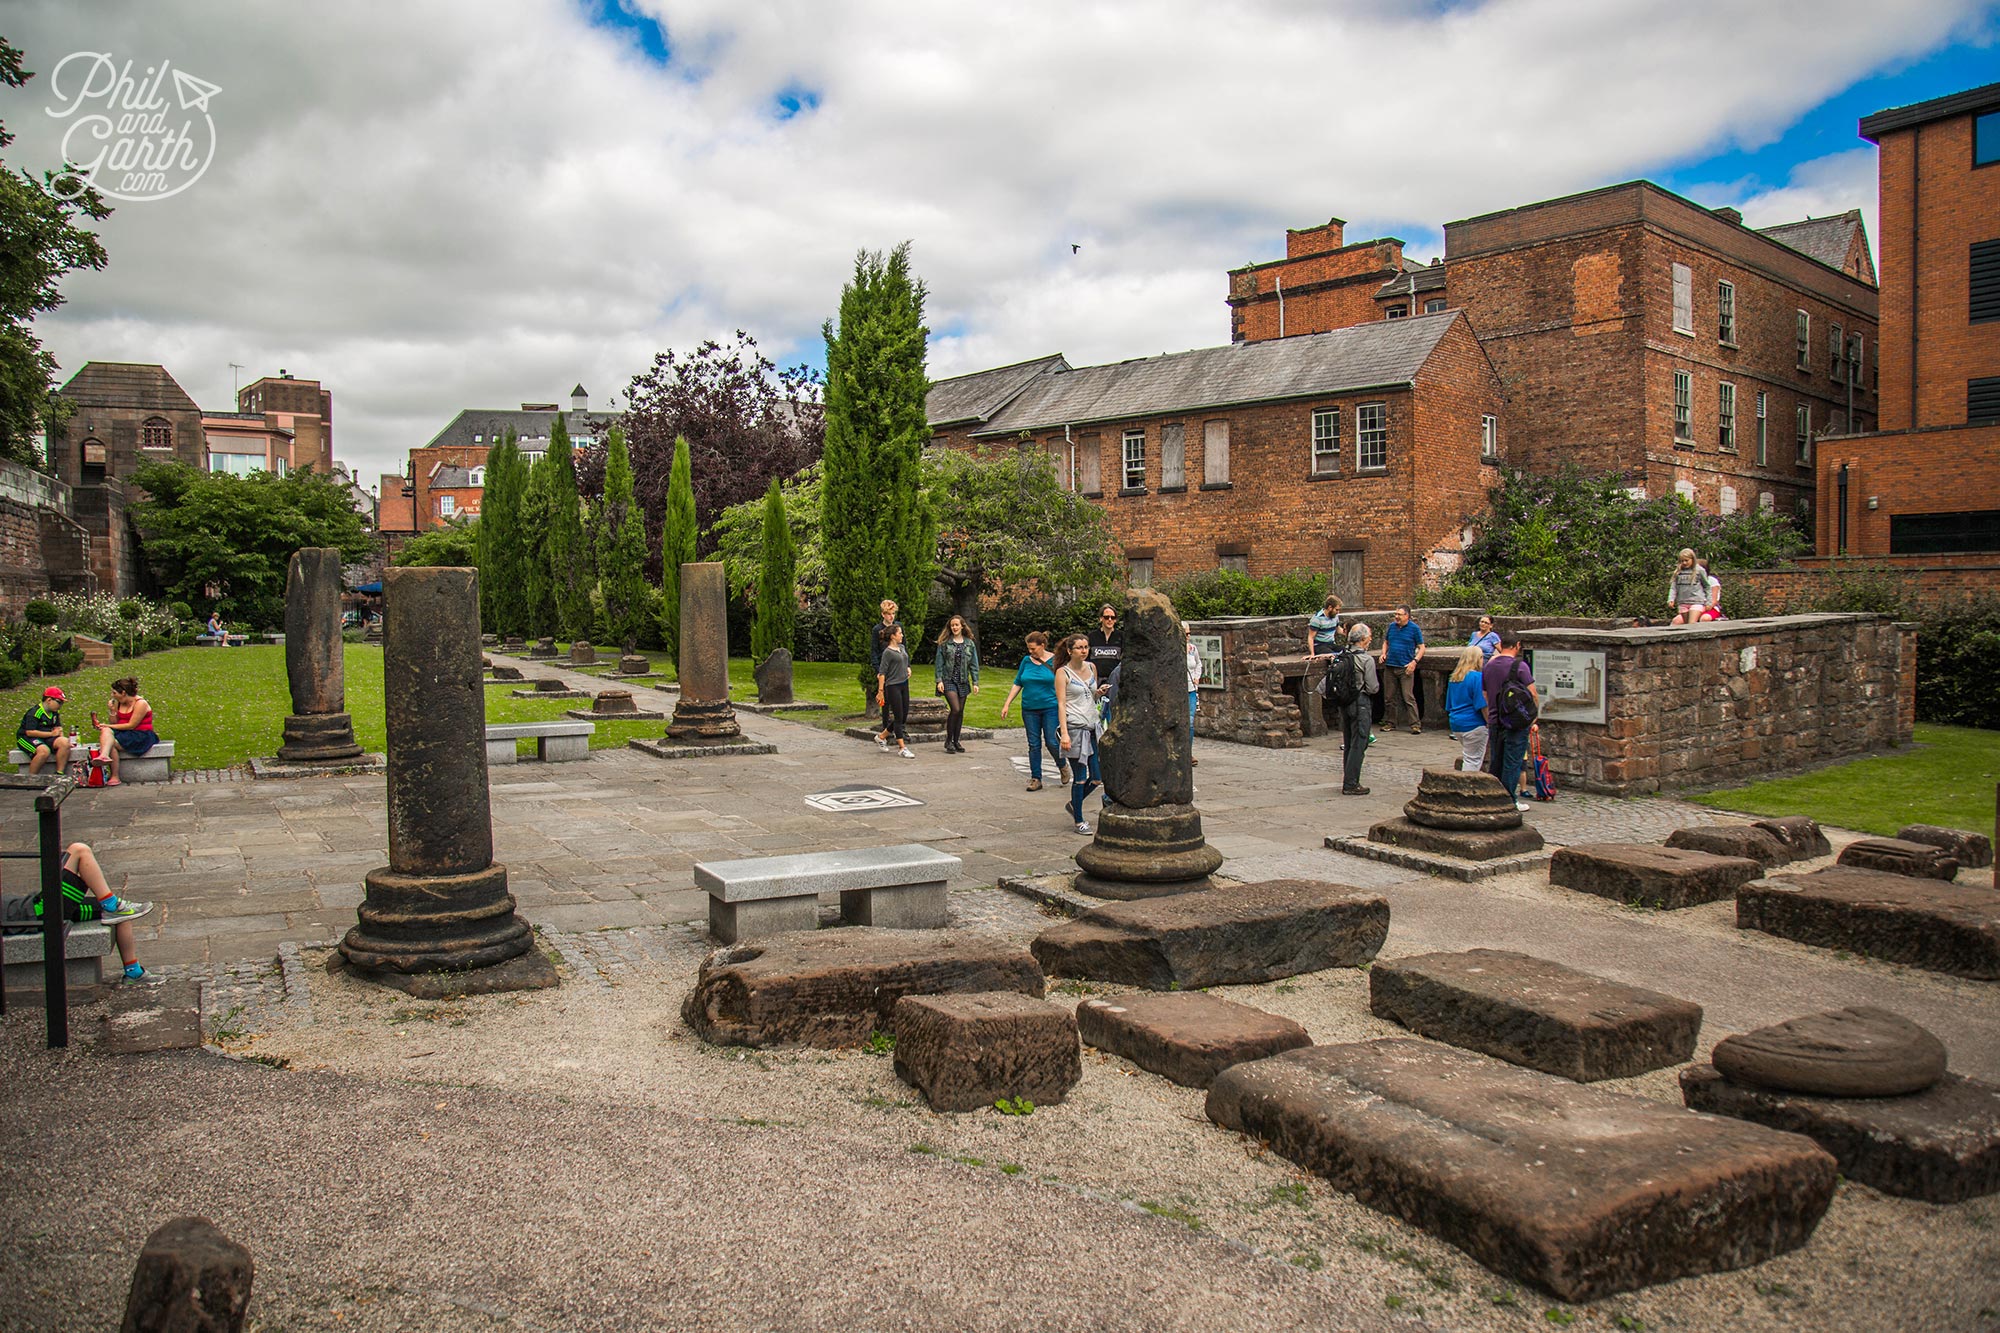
pixel 436 923
pixel 1148 853
pixel 531 971
pixel 699 722
pixel 319 738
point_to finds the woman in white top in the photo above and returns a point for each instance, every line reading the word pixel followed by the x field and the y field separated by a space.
pixel 1076 703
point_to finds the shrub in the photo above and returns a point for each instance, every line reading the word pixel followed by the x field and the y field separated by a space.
pixel 1225 592
pixel 12 673
pixel 1956 683
pixel 39 612
pixel 181 610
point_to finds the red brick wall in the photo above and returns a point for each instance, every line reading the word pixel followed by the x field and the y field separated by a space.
pixel 1323 290
pixel 1926 583
pixel 1944 470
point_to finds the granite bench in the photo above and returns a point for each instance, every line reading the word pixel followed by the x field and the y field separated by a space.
pixel 85 946
pixel 555 742
pixel 152 766
pixel 901 888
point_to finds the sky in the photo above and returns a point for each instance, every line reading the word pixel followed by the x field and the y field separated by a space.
pixel 477 203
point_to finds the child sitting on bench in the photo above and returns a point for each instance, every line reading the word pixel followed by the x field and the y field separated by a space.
pixel 85 897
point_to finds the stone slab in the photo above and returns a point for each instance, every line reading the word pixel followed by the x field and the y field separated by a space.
pixel 81 940
pixel 966 1051
pixel 1897 857
pixel 1220 937
pixel 1187 1037
pixel 668 749
pixel 918 737
pixel 1059 892
pixel 1799 832
pixel 834 988
pixel 797 706
pixel 1951 928
pixel 23 983
pixel 1578 1191
pixel 1452 867
pixel 1744 840
pixel 1529 1011
pixel 1464 844
pixel 516 731
pixel 1857 1052
pixel 824 872
pixel 1971 850
pixel 1941 1145
pixel 897 907
pixel 159 1017
pixel 1664 877
pixel 279 768
pixel 550 694
pixel 636 715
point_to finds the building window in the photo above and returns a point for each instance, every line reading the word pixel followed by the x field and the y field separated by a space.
pixel 1135 459
pixel 1937 534
pixel 1854 349
pixel 1803 435
pixel 1239 563
pixel 1836 353
pixel 1489 436
pixel 279 467
pixel 447 506
pixel 479 439
pixel 1139 573
pixel 1326 441
pixel 1215 453
pixel 1982 399
pixel 1725 313
pixel 1985 282
pixel 1173 457
pixel 1763 429
pixel 1683 407
pixel 1803 340
pixel 1725 418
pixel 1371 437
pixel 1986 139
pixel 1683 299
pixel 1434 306
pixel 476 477
pixel 93 453
pixel 1398 311
pixel 157 433
pixel 235 465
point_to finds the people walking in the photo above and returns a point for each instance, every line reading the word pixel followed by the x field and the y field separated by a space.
pixel 892 693
pixel 1485 639
pixel 1402 649
pixel 1357 715
pixel 878 639
pixel 1035 686
pixel 1076 687
pixel 1687 590
pixel 955 670
pixel 1465 707
pixel 1511 708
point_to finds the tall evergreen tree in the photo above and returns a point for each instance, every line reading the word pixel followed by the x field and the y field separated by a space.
pixel 776 623
pixel 622 547
pixel 503 598
pixel 677 545
pixel 879 531
pixel 570 563
pixel 537 571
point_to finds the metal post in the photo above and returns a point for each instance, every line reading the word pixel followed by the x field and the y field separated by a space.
pixel 55 967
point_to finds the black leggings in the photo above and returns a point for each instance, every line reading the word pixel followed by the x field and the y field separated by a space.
pixel 896 710
pixel 954 716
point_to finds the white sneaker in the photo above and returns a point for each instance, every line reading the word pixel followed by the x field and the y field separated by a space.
pixel 1082 827
pixel 881 744
pixel 1523 805
pixel 906 754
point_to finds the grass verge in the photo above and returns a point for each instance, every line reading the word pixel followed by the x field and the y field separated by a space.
pixel 1946 778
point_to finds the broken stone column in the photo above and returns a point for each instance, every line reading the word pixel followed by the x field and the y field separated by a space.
pixel 774 677
pixel 438 919
pixel 1149 841
pixel 319 730
pixel 189 1276
pixel 702 714
pixel 582 654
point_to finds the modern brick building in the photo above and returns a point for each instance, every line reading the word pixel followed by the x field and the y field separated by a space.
pixel 1633 331
pixel 1359 452
pixel 300 407
pixel 448 475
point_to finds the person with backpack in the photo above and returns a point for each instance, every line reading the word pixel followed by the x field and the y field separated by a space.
pixel 1512 705
pixel 1350 681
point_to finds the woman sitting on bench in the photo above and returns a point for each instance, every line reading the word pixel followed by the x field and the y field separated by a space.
pixel 130 730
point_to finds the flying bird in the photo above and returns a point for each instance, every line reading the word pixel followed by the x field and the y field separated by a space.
pixel 1074 247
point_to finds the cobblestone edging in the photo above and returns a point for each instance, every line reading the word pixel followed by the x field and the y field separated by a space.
pixel 237 773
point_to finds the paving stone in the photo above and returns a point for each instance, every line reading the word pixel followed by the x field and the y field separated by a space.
pixel 1953 928
pixel 1898 857
pixel 1941 1145
pixel 1858 1052
pixel 1529 1011
pixel 1664 877
pixel 189 1277
pixel 1220 937
pixel 966 1051
pixel 165 1016
pixel 1800 832
pixel 836 987
pixel 1745 840
pixel 1971 850
pixel 1579 1191
pixel 1185 1036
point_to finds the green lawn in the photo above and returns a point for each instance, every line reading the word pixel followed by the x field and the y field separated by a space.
pixel 1946 778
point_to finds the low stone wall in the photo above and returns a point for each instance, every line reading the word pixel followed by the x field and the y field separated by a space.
pixel 1251 704
pixel 1710 705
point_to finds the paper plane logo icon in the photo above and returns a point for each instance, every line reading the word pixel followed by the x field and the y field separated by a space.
pixel 194 93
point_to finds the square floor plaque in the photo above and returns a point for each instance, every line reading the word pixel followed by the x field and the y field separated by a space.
pixel 851 800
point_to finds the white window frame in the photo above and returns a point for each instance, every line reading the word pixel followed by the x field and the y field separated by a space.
pixel 447 506
pixel 1398 312
pixel 1366 436
pixel 1802 333
pixel 475 477
pixel 1683 407
pixel 1836 354
pixel 1802 434
pixel 1763 429
pixel 1132 459
pixel 1725 313
pixel 1489 436
pixel 1434 306
pixel 1324 450
pixel 1725 417
pixel 1683 279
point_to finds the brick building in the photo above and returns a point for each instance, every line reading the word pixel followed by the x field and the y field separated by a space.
pixel 447 476
pixel 1927 487
pixel 302 408
pixel 1359 452
pixel 1633 331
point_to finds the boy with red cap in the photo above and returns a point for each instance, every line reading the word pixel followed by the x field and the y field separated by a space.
pixel 41 733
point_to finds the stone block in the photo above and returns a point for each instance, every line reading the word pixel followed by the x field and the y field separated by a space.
pixel 1664 877
pixel 1576 1190
pixel 1186 1036
pixel 1953 928
pixel 501 752
pixel 1800 833
pixel 562 749
pixel 1941 1145
pixel 835 987
pixel 1220 937
pixel 1532 1012
pixel 189 1277
pixel 967 1051
pixel 1858 1052
pixel 1897 857
pixel 1466 844
pixel 1740 840
pixel 163 1017
pixel 897 906
pixel 1974 851
pixel 733 923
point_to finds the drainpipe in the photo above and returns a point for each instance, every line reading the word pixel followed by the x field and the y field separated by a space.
pixel 1281 304
pixel 1916 263
pixel 1072 456
pixel 1840 491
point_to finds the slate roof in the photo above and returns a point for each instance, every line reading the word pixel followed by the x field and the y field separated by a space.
pixel 1412 281
pixel 979 395
pixel 444 476
pixel 1382 354
pixel 126 384
pixel 1824 239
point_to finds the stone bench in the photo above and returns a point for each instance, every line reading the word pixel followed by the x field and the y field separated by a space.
pixel 220 640
pixel 902 888
pixel 152 766
pixel 85 946
pixel 555 742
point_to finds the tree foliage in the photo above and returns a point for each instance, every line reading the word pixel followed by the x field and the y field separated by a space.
pixel 234 534
pixel 454 544
pixel 776 623
pixel 43 241
pixel 1005 520
pixel 878 527
pixel 621 547
pixel 569 557
pixel 738 535
pixel 677 547
pixel 503 600
pixel 538 584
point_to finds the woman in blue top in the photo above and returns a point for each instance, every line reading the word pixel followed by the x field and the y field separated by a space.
pixel 1035 686
pixel 1465 706
pixel 1487 640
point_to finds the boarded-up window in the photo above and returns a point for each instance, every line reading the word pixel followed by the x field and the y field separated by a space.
pixel 1139 572
pixel 1088 480
pixel 1683 299
pixel 1173 455
pixel 1215 453
pixel 1985 284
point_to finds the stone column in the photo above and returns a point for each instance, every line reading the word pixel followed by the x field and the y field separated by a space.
pixel 703 712
pixel 1149 841
pixel 438 919
pixel 319 730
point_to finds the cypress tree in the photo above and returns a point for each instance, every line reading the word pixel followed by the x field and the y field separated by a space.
pixel 776 622
pixel 622 546
pixel 502 593
pixel 537 571
pixel 879 532
pixel 570 563
pixel 677 546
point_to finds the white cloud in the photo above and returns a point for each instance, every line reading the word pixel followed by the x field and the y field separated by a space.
pixel 448 204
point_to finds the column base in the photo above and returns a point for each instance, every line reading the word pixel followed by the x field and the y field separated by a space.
pixel 530 971
pixel 319 738
pixel 703 721
pixel 1149 853
pixel 414 924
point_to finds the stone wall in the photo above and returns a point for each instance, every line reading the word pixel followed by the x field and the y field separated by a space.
pixel 42 548
pixel 1926 584
pixel 1711 705
pixel 1253 706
